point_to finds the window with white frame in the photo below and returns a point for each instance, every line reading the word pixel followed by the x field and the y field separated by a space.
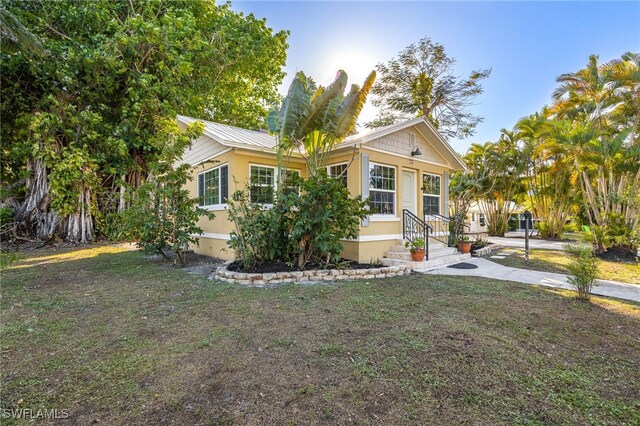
pixel 431 193
pixel 212 186
pixel 382 189
pixel 262 183
pixel 339 172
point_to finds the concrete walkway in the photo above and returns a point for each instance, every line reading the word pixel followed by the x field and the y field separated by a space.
pixel 534 243
pixel 489 269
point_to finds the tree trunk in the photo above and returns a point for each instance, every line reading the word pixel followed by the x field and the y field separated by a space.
pixel 34 214
pixel 80 223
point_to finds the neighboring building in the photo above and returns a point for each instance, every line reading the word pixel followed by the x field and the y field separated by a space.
pixel 476 220
pixel 402 166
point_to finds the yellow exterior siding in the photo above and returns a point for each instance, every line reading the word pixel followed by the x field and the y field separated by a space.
pixel 392 150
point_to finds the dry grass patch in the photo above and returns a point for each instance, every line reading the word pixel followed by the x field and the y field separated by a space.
pixel 117 339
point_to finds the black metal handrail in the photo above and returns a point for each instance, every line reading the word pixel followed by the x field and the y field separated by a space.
pixel 413 227
pixel 446 229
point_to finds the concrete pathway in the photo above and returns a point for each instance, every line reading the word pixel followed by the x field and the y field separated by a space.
pixel 533 243
pixel 489 269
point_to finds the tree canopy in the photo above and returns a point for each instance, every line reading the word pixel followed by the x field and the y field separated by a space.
pixel 421 82
pixel 100 107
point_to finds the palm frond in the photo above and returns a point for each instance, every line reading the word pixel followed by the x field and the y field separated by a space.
pixel 347 113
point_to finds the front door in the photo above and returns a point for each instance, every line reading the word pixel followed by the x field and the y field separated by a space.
pixel 409 192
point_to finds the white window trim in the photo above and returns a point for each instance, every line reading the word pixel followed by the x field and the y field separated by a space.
pixel 343 163
pixel 375 217
pixel 276 178
pixel 275 181
pixel 218 206
pixel 432 195
pixel 384 218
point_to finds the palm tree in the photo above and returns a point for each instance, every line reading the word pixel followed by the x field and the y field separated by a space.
pixel 548 177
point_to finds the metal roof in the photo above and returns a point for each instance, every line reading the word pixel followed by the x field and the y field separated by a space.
pixel 261 140
pixel 233 136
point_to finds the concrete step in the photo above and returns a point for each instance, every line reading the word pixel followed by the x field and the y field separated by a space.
pixel 406 255
pixel 432 245
pixel 428 265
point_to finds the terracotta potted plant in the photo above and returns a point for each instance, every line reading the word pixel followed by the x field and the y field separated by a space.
pixel 464 244
pixel 416 247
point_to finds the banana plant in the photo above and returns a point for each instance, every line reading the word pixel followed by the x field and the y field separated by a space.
pixel 313 119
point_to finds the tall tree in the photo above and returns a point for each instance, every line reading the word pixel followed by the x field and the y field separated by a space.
pixel 501 166
pixel 600 103
pixel 421 82
pixel 549 174
pixel 96 114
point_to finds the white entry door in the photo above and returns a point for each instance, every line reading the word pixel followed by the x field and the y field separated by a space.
pixel 409 191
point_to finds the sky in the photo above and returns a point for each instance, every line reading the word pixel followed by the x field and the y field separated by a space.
pixel 526 44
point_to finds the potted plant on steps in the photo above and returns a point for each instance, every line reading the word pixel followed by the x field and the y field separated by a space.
pixel 464 244
pixel 416 247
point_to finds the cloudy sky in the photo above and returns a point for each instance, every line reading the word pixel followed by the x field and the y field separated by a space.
pixel 526 44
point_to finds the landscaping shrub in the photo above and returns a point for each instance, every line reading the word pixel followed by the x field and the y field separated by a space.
pixel 583 268
pixel 480 242
pixel 300 227
pixel 163 215
pixel 6 215
pixel 325 214
pixel 260 233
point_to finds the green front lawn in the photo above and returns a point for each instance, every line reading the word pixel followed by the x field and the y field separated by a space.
pixel 114 338
pixel 557 261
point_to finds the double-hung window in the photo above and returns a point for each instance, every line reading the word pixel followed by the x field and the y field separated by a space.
pixel 382 189
pixel 431 194
pixel 339 172
pixel 213 186
pixel 262 183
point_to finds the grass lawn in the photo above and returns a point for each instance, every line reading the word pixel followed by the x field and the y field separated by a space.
pixel 116 339
pixel 556 261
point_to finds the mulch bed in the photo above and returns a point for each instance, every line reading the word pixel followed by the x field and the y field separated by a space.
pixel 283 267
pixel 621 255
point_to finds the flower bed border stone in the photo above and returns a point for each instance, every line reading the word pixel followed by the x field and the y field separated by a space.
pixel 486 250
pixel 311 275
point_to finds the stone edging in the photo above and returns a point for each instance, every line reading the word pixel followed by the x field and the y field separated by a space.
pixel 275 278
pixel 486 250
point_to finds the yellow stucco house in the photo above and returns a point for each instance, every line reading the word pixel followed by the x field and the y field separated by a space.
pixel 403 168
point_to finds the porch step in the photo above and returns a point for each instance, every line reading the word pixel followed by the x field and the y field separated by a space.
pixel 433 253
pixel 436 249
pixel 439 255
pixel 430 264
pixel 433 245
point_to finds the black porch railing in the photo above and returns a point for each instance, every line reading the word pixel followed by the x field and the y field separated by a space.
pixel 413 227
pixel 445 229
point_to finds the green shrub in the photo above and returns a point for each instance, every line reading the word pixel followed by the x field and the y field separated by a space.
pixel 260 233
pixel 113 226
pixel 301 227
pixel 583 268
pixel 163 215
pixel 6 215
pixel 325 214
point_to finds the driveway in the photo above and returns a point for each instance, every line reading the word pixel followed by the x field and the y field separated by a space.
pixel 486 268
